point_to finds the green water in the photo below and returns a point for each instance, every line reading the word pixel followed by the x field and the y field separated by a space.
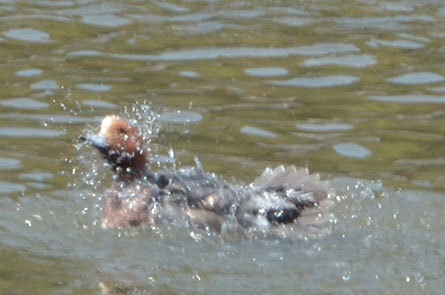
pixel 353 90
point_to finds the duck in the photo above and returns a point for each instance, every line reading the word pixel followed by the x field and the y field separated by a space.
pixel 285 201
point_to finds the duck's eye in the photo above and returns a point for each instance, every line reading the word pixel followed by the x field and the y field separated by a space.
pixel 121 131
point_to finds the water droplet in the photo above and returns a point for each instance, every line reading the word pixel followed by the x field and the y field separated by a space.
pixel 346 276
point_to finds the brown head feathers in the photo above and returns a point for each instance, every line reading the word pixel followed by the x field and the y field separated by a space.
pixel 122 145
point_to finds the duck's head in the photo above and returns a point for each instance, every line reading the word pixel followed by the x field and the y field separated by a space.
pixel 121 144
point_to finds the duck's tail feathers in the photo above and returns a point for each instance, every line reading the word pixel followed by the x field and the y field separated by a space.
pixel 305 191
pixel 299 180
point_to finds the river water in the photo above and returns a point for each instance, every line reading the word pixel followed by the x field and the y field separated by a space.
pixel 353 90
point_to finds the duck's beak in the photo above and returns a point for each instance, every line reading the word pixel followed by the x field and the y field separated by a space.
pixel 97 140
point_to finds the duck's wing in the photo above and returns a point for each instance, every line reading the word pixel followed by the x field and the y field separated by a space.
pixel 287 195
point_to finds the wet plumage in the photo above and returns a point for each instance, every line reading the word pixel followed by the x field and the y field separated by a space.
pixel 284 201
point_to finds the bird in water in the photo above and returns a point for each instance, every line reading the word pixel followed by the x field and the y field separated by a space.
pixel 284 201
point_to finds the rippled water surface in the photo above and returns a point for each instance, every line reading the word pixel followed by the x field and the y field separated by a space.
pixel 353 90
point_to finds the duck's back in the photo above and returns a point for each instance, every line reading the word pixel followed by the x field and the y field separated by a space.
pixel 281 200
pixel 197 188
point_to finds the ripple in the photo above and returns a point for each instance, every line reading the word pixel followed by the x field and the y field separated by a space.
pixel 294 21
pixel 267 72
pixel 7 8
pixel 36 176
pixel 34 17
pixel 352 150
pixel 45 85
pixel 28 35
pixel 94 9
pixel 193 17
pixel 230 52
pixel 421 162
pixel 246 13
pixel 9 163
pixel 355 61
pixel 437 89
pixel 415 38
pixel 249 130
pixel 29 73
pixel 37 185
pixel 172 7
pixel 8 187
pixel 404 44
pixel 440 35
pixel 105 20
pixel 200 28
pixel 289 10
pixel 417 78
pixel 23 103
pixel 410 98
pixel 385 22
pixel 180 117
pixel 325 127
pixel 395 6
pixel 30 132
pixel 53 3
pixel 94 87
pixel 60 119
pixel 188 74
pixel 318 82
pixel 85 53
pixel 99 104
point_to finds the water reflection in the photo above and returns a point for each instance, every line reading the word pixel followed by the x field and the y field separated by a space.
pixel 215 53
pixel 437 89
pixel 180 117
pixel 355 61
pixel 201 28
pixel 325 127
pixel 318 82
pixel 172 7
pixel 188 74
pixel 353 150
pixel 28 35
pixel 189 18
pixel 98 104
pixel 267 72
pixel 30 132
pixel 405 44
pixel 94 87
pixel 66 64
pixel 23 103
pixel 36 176
pixel 393 23
pixel 417 78
pixel 414 37
pixel 9 163
pixel 28 72
pixel 8 188
pixel 294 21
pixel 395 6
pixel 249 130
pixel 53 118
pixel 45 85
pixel 410 98
pixel 105 20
